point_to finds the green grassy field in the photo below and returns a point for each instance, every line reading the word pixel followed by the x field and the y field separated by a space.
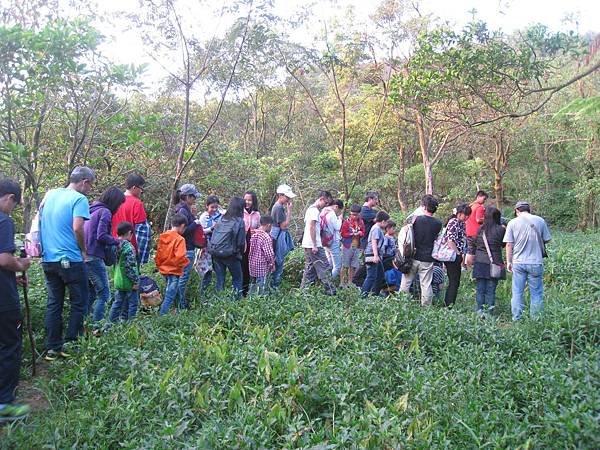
pixel 304 370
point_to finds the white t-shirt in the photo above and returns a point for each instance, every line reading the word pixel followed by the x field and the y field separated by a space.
pixel 312 214
pixel 334 223
pixel 527 248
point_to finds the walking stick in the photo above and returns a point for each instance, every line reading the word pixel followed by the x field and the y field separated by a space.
pixel 28 319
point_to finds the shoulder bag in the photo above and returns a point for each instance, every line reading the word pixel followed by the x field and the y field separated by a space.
pixel 496 270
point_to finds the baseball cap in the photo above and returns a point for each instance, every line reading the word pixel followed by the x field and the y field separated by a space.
pixel 521 204
pixel 285 190
pixel 189 189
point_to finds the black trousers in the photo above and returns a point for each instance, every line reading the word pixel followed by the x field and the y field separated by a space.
pixel 11 348
pixel 454 272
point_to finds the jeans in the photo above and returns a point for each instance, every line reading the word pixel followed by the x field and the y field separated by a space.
pixel 334 256
pixel 99 287
pixel 220 265
pixel 125 305
pixel 11 348
pixel 486 292
pixel 532 274
pixel 246 279
pixel 259 285
pixel 425 272
pixel 277 275
pixel 453 269
pixel 183 280
pixel 374 279
pixel 58 279
pixel 172 291
pixel 316 267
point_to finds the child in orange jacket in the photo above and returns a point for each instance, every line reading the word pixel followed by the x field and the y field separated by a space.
pixel 171 260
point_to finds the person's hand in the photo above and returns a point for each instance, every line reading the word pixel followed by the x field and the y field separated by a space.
pixel 509 267
pixel 376 259
pixel 24 264
pixel 315 250
pixel 22 280
pixel 135 287
pixel 198 222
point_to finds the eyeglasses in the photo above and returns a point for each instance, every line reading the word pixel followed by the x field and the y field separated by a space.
pixel 141 189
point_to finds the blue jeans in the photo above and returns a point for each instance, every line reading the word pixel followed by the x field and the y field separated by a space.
pixel 125 306
pixel 172 291
pixel 334 256
pixel 277 275
pixel 58 279
pixel 99 287
pixel 11 349
pixel 486 293
pixel 235 269
pixel 259 285
pixel 183 280
pixel 373 281
pixel 533 275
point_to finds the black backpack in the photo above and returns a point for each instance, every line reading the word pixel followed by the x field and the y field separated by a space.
pixel 222 243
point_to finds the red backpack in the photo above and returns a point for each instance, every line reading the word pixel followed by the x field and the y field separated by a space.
pixel 199 237
pixel 326 234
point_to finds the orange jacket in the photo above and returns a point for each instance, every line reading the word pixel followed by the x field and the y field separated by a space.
pixel 170 255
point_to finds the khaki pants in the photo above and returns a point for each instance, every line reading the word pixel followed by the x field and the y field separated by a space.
pixel 425 271
pixel 317 267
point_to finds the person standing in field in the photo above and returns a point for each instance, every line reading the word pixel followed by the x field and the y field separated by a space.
pixel 208 219
pixel 261 256
pixel 331 219
pixel 353 230
pixel 127 277
pixel 133 211
pixel 316 265
pixel 374 253
pixel 187 195
pixel 62 218
pixel 171 261
pixel 457 241
pixel 251 223
pixel 100 246
pixel 493 232
pixel 11 319
pixel 281 212
pixel 425 229
pixel 526 238
pixel 475 220
pixel 367 213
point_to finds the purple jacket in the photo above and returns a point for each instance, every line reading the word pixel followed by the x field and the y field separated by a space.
pixel 98 230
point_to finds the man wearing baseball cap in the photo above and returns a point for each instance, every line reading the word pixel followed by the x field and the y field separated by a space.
pixel 283 243
pixel 526 237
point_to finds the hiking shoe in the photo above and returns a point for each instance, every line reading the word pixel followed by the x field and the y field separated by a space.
pixel 53 355
pixel 13 411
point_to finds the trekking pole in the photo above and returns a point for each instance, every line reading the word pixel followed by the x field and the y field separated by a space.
pixel 28 319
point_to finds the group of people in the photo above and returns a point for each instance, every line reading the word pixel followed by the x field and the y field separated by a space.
pixel 78 242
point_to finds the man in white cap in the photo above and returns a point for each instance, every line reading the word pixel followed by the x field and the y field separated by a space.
pixel 526 237
pixel 283 244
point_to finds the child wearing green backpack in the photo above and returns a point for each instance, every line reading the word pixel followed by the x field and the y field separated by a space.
pixel 127 277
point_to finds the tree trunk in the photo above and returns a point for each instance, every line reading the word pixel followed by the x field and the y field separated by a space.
pixel 424 146
pixel 401 191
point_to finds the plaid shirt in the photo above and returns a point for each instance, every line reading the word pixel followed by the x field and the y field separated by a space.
pixel 261 258
pixel 142 238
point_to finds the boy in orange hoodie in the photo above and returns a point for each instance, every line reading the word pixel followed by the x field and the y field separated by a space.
pixel 171 260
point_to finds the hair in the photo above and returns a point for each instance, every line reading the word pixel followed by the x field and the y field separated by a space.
pixel 123 228
pixel 178 219
pixel 382 216
pixel 491 219
pixel 390 224
pixel 337 202
pixel 266 220
pixel 113 197
pixel 426 198
pixel 355 208
pixel 211 199
pixel 524 208
pixel 134 179
pixel 325 194
pixel 81 173
pixel 252 194
pixel 430 204
pixel 481 194
pixel 461 208
pixel 179 197
pixel 371 194
pixel 8 186
pixel 235 208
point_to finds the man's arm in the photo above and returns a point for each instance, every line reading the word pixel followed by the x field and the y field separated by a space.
pixel 14 264
pixel 79 234
pixel 509 253
pixel 288 216
pixel 313 235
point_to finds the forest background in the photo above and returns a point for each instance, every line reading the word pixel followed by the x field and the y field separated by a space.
pixel 408 105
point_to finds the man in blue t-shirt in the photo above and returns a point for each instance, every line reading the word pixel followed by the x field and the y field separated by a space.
pixel 11 336
pixel 62 215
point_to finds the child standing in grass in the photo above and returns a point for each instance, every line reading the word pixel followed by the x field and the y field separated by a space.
pixel 171 260
pixel 127 277
pixel 353 230
pixel 262 257
pixel 374 253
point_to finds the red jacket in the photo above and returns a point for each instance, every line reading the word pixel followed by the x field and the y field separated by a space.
pixel 349 226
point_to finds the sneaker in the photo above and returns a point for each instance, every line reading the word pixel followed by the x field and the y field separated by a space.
pixel 53 355
pixel 13 411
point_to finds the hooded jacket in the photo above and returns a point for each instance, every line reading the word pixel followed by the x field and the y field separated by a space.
pixel 170 254
pixel 97 230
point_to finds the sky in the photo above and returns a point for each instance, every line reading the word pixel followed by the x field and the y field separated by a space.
pixel 124 45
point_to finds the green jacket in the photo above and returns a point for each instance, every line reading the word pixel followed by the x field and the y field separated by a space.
pixel 126 270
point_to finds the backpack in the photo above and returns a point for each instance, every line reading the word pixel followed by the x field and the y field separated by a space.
pixel 199 237
pixel 325 230
pixel 110 255
pixel 222 242
pixel 406 240
pixel 149 292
